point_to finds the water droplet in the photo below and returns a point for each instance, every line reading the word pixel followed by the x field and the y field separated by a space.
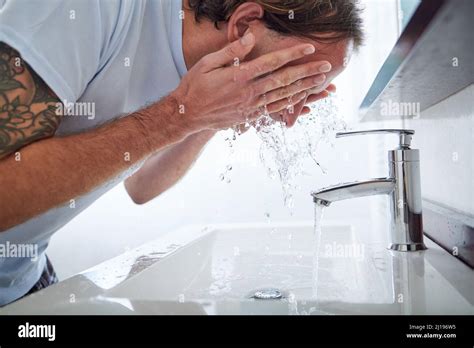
pixel 229 167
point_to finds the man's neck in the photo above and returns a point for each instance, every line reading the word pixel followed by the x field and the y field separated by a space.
pixel 199 39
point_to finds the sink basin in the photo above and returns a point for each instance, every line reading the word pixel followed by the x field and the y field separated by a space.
pixel 218 270
pixel 231 264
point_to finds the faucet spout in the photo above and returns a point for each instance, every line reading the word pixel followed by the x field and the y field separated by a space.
pixel 402 186
pixel 354 189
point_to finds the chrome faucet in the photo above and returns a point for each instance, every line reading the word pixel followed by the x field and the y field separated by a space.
pixel 402 186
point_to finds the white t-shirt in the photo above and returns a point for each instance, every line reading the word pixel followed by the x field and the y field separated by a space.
pixel 117 55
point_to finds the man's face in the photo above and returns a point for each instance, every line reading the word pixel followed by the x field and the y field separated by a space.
pixel 337 53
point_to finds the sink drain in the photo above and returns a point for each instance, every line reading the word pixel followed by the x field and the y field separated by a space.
pixel 267 294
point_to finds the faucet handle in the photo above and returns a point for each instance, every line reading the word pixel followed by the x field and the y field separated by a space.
pixel 405 135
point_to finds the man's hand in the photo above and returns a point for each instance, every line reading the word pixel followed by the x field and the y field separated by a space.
pixel 302 108
pixel 220 92
pixel 290 115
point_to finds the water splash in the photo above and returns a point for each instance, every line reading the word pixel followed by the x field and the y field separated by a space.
pixel 283 150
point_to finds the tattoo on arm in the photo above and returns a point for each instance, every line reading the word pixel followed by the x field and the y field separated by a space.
pixel 28 107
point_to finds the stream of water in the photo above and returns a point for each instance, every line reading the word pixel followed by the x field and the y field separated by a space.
pixel 318 217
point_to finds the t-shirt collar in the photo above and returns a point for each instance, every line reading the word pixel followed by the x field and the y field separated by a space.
pixel 175 36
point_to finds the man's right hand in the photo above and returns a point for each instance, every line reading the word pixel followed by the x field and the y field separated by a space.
pixel 220 92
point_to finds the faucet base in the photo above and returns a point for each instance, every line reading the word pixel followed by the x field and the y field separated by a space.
pixel 407 247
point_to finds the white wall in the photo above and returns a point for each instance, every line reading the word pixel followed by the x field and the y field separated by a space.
pixel 114 223
pixel 445 133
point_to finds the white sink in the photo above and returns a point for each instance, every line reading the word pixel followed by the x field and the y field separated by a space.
pixel 216 270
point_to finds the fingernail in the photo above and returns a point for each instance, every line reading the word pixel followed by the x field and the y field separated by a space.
pixel 325 67
pixel 319 79
pixel 309 50
pixel 247 39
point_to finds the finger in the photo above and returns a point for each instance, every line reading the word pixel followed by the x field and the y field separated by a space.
pixel 316 97
pixel 290 90
pixel 331 88
pixel 290 75
pixel 234 52
pixel 284 104
pixel 291 117
pixel 305 111
pixel 272 61
pixel 278 116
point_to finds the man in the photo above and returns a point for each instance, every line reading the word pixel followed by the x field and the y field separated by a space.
pixel 91 91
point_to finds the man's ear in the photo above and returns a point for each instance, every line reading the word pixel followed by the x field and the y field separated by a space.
pixel 240 20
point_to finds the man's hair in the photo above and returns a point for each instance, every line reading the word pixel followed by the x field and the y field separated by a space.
pixel 313 19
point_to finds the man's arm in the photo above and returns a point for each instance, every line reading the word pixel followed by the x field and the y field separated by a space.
pixel 27 105
pixel 38 172
pixel 164 169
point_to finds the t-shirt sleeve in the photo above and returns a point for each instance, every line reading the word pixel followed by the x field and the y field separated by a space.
pixel 64 41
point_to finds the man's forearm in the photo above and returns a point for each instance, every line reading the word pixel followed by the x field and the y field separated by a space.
pixel 164 169
pixel 53 171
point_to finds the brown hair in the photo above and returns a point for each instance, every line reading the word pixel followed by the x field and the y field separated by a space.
pixel 304 18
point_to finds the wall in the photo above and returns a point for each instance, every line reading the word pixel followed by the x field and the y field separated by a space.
pixel 445 133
